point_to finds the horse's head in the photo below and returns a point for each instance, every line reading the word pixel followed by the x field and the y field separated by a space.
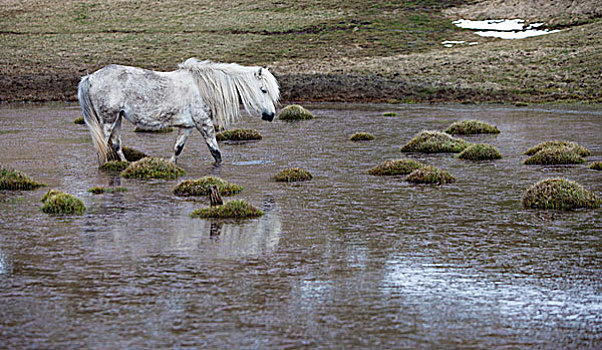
pixel 267 93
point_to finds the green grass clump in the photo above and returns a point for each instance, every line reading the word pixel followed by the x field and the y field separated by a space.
pixel 79 121
pixel 596 165
pixel 396 167
pixel 293 175
pixel 431 141
pixel 57 202
pixel 14 180
pixel 114 165
pixel 202 187
pixel 559 194
pixel 361 136
pixel 152 168
pixel 232 209
pixel 238 135
pixel 555 155
pixel 468 127
pixel 295 112
pixel 580 150
pixel 430 175
pixel 100 189
pixel 155 131
pixel 480 151
pixel 390 114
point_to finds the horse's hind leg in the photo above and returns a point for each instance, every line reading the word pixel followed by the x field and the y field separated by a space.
pixel 183 134
pixel 115 139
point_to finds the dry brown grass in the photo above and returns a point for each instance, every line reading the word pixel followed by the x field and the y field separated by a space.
pixel 373 50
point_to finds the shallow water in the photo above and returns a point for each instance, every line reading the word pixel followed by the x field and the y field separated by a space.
pixel 346 260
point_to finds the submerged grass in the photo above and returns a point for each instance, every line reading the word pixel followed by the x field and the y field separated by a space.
pixel 596 165
pixel 153 168
pixel 131 154
pixel 480 151
pixel 431 141
pixel 559 194
pixel 114 165
pixel 390 114
pixel 101 189
pixel 154 131
pixel 202 187
pixel 293 175
pixel 238 135
pixel 361 136
pixel 57 202
pixel 295 112
pixel 79 121
pixel 14 180
pixel 430 175
pixel 232 209
pixel 555 155
pixel 396 167
pixel 577 148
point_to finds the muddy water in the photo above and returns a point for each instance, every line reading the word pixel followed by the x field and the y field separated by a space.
pixel 346 260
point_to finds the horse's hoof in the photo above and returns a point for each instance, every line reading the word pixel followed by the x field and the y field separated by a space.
pixel 217 155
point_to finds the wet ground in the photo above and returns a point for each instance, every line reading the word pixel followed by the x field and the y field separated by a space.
pixel 346 260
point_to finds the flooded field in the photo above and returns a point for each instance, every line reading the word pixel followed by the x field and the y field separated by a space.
pixel 346 260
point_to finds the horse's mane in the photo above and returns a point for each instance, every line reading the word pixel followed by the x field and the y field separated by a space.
pixel 223 85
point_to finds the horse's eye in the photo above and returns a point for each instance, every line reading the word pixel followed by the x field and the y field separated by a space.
pixel 264 90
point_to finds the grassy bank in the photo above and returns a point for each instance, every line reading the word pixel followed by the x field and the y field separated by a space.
pixel 364 51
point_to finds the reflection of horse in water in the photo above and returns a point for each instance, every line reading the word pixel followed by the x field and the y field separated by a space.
pixel 245 238
pixel 193 237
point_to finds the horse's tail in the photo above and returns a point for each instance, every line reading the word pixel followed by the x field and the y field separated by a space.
pixel 91 119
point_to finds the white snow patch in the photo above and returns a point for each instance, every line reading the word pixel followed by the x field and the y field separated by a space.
pixel 503 28
pixel 516 35
pixel 491 24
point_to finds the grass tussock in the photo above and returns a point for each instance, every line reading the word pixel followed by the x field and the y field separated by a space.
pixel 430 175
pixel 154 131
pixel 238 135
pixel 559 194
pixel 361 136
pixel 469 127
pixel 153 168
pixel 480 151
pixel 293 175
pixel 14 180
pixel 390 114
pixel 202 187
pixel 596 165
pixel 79 121
pixel 396 167
pixel 555 155
pixel 114 165
pixel 577 148
pixel 57 202
pixel 295 112
pixel 232 209
pixel 431 141
pixel 101 189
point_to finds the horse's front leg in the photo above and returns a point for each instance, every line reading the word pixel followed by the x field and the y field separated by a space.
pixel 183 134
pixel 208 131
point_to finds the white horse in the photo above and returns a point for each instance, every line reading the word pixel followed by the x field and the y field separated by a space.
pixel 200 94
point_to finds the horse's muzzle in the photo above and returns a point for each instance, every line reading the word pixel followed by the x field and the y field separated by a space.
pixel 267 116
